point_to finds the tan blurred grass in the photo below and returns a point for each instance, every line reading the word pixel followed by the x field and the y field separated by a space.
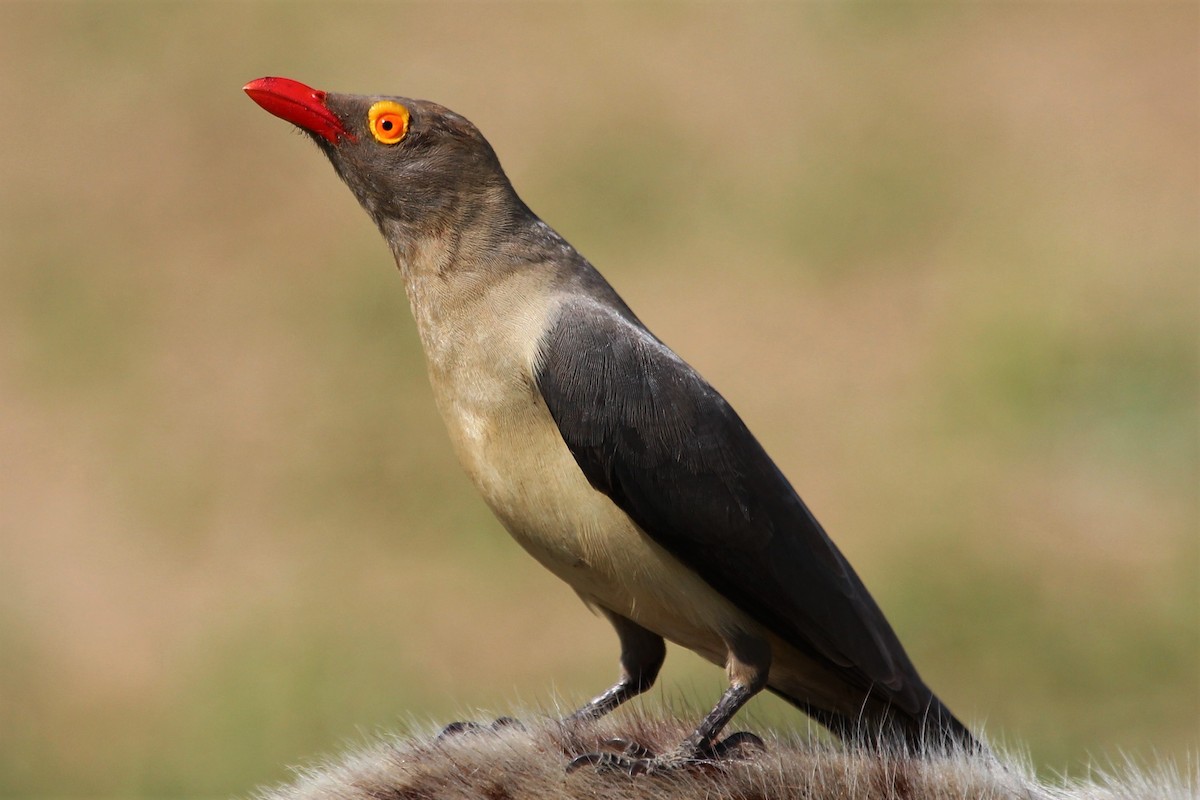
pixel 943 259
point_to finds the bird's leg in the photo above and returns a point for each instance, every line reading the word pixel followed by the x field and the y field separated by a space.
pixel 702 744
pixel 642 655
pixel 748 664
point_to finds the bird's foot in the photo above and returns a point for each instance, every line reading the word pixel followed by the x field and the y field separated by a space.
pixel 631 758
pixel 461 727
pixel 732 745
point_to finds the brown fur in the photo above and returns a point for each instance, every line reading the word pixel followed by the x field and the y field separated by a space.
pixel 528 763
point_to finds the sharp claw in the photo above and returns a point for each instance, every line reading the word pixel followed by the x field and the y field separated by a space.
pixel 457 728
pixel 628 747
pixel 635 759
pixel 600 761
pixel 612 762
pixel 734 742
pixel 639 766
pixel 582 761
pixel 507 722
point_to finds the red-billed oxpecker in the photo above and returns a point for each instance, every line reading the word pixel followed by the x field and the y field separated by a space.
pixel 604 454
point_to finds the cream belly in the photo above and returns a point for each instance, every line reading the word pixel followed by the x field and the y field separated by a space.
pixel 502 431
pixel 546 503
pixel 530 480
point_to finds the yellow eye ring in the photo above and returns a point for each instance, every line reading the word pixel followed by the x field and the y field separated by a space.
pixel 388 121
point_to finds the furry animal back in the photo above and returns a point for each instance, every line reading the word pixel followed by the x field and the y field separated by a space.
pixel 526 763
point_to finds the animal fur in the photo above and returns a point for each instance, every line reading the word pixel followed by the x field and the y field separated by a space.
pixel 527 762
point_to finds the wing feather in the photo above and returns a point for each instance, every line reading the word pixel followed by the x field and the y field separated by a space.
pixel 657 439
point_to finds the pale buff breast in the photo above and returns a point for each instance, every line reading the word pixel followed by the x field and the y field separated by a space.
pixel 482 352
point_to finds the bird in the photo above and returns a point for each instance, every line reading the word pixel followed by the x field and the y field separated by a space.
pixel 605 455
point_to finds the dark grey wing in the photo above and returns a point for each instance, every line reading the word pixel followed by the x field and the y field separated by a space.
pixel 657 439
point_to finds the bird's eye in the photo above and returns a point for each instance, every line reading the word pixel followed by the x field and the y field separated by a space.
pixel 388 121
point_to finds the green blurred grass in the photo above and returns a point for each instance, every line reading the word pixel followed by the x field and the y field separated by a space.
pixel 942 258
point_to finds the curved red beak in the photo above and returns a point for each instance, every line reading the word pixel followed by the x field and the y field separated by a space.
pixel 301 105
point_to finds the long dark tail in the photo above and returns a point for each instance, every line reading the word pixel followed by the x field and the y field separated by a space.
pixel 887 727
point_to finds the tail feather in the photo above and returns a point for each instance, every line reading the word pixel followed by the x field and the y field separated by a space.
pixel 885 726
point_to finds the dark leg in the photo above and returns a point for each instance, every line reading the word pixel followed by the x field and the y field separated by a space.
pixel 700 743
pixel 749 662
pixel 642 655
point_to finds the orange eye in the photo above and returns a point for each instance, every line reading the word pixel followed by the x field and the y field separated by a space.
pixel 388 121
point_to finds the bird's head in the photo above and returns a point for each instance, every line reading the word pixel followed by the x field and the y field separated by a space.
pixel 415 166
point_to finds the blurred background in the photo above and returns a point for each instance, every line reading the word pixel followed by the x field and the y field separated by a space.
pixel 942 258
